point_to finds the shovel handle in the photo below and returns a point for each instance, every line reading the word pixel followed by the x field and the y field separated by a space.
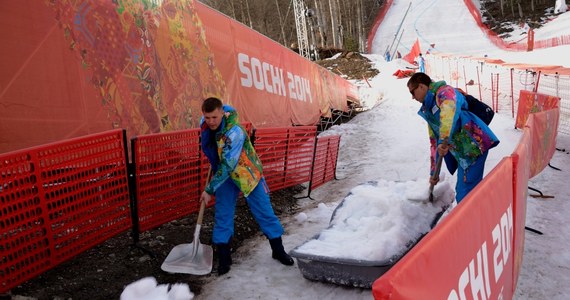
pixel 437 169
pixel 201 213
pixel 202 203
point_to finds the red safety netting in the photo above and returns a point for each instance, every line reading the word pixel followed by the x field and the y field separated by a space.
pixel 326 155
pixel 59 200
pixel 286 154
pixel 170 176
pixel 379 18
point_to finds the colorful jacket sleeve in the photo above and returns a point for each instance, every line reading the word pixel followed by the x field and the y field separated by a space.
pixel 446 100
pixel 230 145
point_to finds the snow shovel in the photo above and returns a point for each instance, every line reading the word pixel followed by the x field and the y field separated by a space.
pixel 435 176
pixel 194 258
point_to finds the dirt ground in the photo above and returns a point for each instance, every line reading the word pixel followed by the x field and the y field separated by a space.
pixel 104 271
pixel 350 65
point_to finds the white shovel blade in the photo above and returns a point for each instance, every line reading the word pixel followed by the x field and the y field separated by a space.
pixel 193 258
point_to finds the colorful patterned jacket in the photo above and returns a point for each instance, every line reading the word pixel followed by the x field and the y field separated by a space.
pixel 231 154
pixel 446 113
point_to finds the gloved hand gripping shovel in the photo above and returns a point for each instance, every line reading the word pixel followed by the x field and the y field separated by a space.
pixel 194 258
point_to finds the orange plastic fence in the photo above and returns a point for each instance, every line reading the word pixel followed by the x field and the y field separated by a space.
pixel 169 172
pixel 326 154
pixel 286 154
pixel 59 200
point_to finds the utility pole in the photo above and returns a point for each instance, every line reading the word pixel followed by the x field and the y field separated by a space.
pixel 301 24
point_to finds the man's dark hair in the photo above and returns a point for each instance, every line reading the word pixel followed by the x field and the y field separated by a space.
pixel 418 78
pixel 211 104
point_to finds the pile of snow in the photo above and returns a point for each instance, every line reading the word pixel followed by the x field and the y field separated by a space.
pixel 378 221
pixel 148 289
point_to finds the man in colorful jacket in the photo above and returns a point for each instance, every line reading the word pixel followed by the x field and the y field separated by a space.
pixel 468 138
pixel 236 168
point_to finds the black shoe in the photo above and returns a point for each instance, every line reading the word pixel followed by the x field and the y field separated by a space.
pixel 224 258
pixel 279 252
pixel 223 269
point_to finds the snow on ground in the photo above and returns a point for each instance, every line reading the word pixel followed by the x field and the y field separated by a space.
pixel 389 143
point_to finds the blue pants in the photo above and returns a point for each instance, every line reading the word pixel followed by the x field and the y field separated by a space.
pixel 466 181
pixel 259 205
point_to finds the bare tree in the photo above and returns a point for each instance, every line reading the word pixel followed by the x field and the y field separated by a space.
pixel 320 25
pixel 248 14
pixel 512 8
pixel 281 22
pixel 335 23
pixel 502 3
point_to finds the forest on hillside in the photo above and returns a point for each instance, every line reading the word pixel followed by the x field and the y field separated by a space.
pixel 331 24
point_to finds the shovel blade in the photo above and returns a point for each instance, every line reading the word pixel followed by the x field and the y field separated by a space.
pixel 194 258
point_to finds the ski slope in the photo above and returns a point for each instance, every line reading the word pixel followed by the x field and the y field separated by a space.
pixel 449 25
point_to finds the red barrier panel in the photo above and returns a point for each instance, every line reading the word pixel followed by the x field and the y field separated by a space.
pixel 521 172
pixel 544 127
pixel 59 200
pixel 471 249
pixel 286 154
pixel 326 155
pixel 170 173
pixel 531 102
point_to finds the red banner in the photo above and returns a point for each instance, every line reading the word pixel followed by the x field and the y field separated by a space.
pixel 270 85
pixel 468 255
pixel 71 68
pixel 521 158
